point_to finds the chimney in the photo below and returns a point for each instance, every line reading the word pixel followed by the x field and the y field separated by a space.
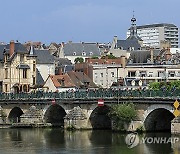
pixel 168 54
pixel 123 61
pixel 11 48
pixel 152 55
pixel 60 72
pixel 62 44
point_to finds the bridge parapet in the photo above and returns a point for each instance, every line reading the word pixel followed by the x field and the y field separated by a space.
pixel 90 94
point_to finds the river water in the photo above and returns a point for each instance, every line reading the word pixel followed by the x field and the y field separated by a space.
pixel 56 141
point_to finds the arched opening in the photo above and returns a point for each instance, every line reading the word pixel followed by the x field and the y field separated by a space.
pixel 159 120
pixel 14 115
pixel 55 115
pixel 99 118
pixel 25 88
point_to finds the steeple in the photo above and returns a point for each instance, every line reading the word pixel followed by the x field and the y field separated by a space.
pixel 133 30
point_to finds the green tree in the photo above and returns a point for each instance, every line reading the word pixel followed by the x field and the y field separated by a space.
pixel 154 85
pixel 123 112
pixel 110 56
pixel 79 60
pixel 94 57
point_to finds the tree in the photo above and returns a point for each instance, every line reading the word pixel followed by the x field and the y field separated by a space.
pixel 94 57
pixel 79 60
pixel 110 56
pixel 123 112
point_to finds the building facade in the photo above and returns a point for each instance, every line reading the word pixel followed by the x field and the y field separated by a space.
pixel 18 68
pixel 153 34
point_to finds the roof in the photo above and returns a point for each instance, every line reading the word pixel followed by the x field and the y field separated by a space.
pixel 19 48
pixel 2 52
pixel 23 66
pixel 59 79
pixel 80 79
pixel 134 38
pixel 91 49
pixel 44 57
pixel 39 78
pixel 103 61
pixel 126 44
pixel 141 56
pixel 55 44
pixel 157 25
pixel 62 61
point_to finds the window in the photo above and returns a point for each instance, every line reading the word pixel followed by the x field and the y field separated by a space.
pixel 34 66
pixel 101 75
pixel 34 80
pixel 24 73
pixel 74 53
pixel 90 53
pixel 131 73
pixel 142 73
pixel 83 54
pixel 112 74
pixel 171 73
pixel 95 75
pixel 6 73
pixel 6 88
pixel 21 58
pixel 150 74
pixel 161 74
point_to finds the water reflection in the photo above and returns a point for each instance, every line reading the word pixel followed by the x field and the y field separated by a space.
pixel 57 141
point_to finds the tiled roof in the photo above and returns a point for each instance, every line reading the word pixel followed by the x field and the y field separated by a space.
pixel 19 48
pixel 126 44
pixel 2 51
pixel 57 81
pixel 44 57
pixel 76 49
pixel 80 79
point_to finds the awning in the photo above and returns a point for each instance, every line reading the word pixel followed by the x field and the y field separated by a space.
pixel 23 66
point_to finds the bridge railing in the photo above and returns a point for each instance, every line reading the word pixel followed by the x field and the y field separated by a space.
pixel 91 94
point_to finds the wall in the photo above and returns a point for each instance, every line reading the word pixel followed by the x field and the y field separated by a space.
pixel 46 70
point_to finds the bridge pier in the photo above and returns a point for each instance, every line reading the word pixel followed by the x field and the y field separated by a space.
pixel 175 125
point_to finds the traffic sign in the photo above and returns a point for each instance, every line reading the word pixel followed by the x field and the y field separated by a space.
pixel 100 102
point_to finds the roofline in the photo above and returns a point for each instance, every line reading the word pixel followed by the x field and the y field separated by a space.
pixel 157 25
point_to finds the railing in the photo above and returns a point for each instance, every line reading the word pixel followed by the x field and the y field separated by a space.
pixel 91 94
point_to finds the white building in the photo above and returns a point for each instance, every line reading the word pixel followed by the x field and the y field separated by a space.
pixel 45 65
pixel 153 34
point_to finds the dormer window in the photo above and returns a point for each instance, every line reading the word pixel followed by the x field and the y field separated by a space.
pixel 91 53
pixel 74 53
pixel 83 54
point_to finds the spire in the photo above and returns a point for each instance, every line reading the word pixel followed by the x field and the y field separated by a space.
pixel 31 52
pixel 133 30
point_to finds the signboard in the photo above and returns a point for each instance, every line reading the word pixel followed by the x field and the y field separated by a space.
pixel 100 102
pixel 53 102
pixel 176 111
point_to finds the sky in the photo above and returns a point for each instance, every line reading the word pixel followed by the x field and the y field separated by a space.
pixel 80 20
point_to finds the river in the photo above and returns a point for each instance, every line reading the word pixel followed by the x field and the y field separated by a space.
pixel 56 141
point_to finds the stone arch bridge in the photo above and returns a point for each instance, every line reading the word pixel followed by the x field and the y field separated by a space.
pixel 155 114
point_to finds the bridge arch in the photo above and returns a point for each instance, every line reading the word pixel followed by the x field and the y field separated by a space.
pixel 158 118
pixel 14 115
pixel 99 118
pixel 55 114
